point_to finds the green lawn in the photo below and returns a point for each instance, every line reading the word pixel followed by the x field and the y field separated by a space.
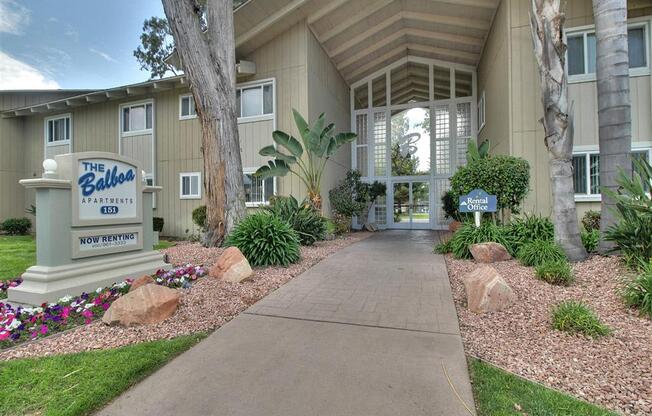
pixel 498 393
pixel 17 253
pixel 78 384
pixel 163 244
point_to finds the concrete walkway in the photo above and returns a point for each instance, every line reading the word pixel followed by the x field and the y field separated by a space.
pixel 371 330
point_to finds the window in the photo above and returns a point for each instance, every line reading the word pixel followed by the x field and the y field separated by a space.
pixel 481 111
pixel 255 100
pixel 257 191
pixel 190 185
pixel 57 130
pixel 582 52
pixel 586 172
pixel 187 108
pixel 137 118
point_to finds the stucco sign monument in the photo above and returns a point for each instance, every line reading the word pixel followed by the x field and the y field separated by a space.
pixel 93 226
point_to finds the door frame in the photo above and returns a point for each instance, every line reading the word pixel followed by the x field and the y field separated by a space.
pixel 410 225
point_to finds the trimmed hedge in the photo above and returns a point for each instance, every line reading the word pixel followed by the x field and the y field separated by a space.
pixel 16 226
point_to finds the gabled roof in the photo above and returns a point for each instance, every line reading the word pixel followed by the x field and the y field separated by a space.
pixel 96 96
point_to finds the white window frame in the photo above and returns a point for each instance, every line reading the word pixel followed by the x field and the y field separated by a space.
pixel 251 171
pixel 199 185
pixel 46 130
pixel 258 83
pixel 586 151
pixel 589 29
pixel 482 111
pixel 191 105
pixel 136 132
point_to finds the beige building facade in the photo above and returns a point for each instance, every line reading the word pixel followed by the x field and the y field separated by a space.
pixel 416 79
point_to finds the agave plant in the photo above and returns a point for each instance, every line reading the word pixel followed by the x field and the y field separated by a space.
pixel 318 142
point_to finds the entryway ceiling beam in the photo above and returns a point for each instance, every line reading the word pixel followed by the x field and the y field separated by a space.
pixel 353 20
pixel 270 21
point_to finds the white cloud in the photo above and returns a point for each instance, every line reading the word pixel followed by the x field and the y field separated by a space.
pixel 102 54
pixel 13 17
pixel 17 75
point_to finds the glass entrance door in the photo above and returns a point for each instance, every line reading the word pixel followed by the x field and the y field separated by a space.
pixel 411 204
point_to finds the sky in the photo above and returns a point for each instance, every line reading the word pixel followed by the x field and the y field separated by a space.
pixel 50 44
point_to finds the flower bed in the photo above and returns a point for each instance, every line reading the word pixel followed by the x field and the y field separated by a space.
pixel 22 324
pixel 6 284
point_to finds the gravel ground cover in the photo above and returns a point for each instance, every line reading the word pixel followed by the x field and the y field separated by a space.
pixel 613 371
pixel 207 305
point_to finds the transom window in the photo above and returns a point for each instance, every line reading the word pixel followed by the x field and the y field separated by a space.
pixel 257 191
pixel 57 130
pixel 187 108
pixel 255 100
pixel 582 52
pixel 190 185
pixel 136 118
pixel 586 171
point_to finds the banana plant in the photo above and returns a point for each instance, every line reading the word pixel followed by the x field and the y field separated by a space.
pixel 477 151
pixel 318 143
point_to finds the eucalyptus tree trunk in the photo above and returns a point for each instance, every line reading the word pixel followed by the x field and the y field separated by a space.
pixel 614 108
pixel 208 60
pixel 546 24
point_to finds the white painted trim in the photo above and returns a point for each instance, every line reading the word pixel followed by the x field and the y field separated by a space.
pixel 252 84
pixel 68 142
pixel 136 132
pixel 199 185
pixel 189 116
pixel 253 119
pixel 482 109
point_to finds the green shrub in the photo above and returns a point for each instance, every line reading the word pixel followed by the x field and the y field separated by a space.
pixel 468 234
pixel 348 197
pixel 265 240
pixel 450 206
pixel 157 224
pixel 591 220
pixel 16 226
pixel 538 252
pixel 590 240
pixel 443 248
pixel 304 219
pixel 507 177
pixel 529 228
pixel 555 272
pixel 632 234
pixel 341 224
pixel 576 317
pixel 638 292
pixel 199 216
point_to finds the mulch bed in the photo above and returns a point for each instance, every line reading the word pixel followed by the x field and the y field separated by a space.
pixel 207 305
pixel 614 371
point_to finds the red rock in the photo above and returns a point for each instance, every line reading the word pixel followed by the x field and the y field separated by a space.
pixel 232 266
pixel 489 252
pixel 454 226
pixel 149 304
pixel 487 291
pixel 141 281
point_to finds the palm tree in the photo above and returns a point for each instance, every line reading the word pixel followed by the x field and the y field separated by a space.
pixel 614 109
pixel 546 24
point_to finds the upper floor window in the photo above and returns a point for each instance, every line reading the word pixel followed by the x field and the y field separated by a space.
pixel 187 108
pixel 57 130
pixel 136 118
pixel 582 52
pixel 255 100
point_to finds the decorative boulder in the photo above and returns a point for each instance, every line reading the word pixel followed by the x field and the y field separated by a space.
pixel 232 266
pixel 487 291
pixel 454 226
pixel 141 281
pixel 149 304
pixel 489 252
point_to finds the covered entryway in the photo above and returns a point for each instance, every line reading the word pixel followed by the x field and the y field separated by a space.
pixel 414 120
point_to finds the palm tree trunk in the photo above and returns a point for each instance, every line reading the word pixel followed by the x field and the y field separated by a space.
pixel 209 65
pixel 614 108
pixel 546 24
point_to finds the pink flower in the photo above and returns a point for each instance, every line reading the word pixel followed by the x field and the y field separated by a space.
pixel 105 306
pixel 87 313
pixel 44 329
pixel 4 335
pixel 65 312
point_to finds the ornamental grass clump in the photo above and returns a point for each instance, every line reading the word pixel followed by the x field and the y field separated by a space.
pixel 538 252
pixel 555 272
pixel 529 228
pixel 304 219
pixel 468 234
pixel 638 292
pixel 265 240
pixel 576 317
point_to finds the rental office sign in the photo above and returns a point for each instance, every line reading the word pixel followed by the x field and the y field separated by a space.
pixel 478 202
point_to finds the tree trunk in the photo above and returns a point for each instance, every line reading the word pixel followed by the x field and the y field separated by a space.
pixel 614 109
pixel 546 24
pixel 209 65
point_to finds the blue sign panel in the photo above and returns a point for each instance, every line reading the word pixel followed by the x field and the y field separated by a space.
pixel 478 201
